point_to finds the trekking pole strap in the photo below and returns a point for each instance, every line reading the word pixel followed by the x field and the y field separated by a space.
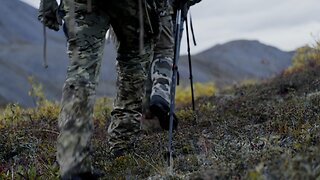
pixel 190 65
pixel 45 62
pixel 192 31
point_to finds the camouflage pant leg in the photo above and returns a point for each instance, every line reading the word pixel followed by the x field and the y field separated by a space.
pixel 161 67
pixel 75 120
pixel 132 68
pixel 127 110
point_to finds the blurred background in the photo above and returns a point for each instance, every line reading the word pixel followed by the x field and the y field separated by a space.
pixel 248 40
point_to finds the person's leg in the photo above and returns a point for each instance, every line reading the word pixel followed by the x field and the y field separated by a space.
pixel 85 49
pixel 160 74
pixel 132 66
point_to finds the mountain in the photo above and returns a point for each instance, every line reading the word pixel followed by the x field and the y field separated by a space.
pixel 21 43
pixel 21 56
pixel 235 61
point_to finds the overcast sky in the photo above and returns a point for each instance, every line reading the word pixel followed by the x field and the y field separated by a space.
pixel 286 24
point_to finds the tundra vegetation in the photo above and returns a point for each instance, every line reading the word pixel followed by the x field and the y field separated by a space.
pixel 261 130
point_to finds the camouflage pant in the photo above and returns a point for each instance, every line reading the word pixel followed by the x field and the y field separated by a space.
pixel 139 75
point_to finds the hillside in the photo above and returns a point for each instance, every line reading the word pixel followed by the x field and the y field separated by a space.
pixel 21 56
pixel 235 61
pixel 21 43
pixel 263 131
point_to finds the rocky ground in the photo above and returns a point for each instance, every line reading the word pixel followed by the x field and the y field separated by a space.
pixel 268 130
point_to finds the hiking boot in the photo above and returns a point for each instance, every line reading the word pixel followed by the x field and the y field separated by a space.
pixel 160 108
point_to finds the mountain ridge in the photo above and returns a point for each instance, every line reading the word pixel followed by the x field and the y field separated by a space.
pixel 236 56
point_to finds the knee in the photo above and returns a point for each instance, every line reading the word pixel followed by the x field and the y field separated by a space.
pixel 78 89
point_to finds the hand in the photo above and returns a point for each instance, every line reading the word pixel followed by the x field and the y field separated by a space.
pixel 180 3
pixel 48 14
pixel 193 2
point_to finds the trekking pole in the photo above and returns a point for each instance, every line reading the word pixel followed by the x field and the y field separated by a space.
pixel 173 85
pixel 184 13
pixel 182 10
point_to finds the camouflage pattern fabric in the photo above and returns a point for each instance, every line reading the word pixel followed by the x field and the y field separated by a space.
pixel 86 37
pixel 136 94
pixel 75 121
